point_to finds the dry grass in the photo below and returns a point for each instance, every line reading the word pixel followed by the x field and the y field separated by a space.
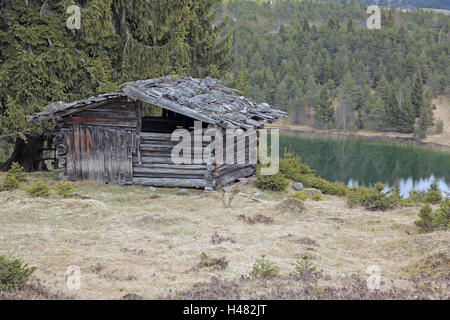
pixel 128 242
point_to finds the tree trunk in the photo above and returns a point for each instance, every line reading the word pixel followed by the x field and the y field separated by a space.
pixel 28 154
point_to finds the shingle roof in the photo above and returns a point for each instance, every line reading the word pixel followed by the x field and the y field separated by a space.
pixel 201 99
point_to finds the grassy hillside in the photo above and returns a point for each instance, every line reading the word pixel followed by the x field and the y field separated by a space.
pixel 130 241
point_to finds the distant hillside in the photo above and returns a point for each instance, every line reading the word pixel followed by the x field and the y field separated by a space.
pixel 405 4
pixel 409 4
pixel 319 61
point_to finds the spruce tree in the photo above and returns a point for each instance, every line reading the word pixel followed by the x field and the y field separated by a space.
pixel 392 111
pixel 42 61
pixel 209 47
pixel 324 111
pixel 241 80
pixel 417 94
pixel 426 113
pixel 406 118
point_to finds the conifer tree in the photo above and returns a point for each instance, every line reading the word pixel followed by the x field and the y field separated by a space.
pixel 426 113
pixel 241 82
pixel 324 112
pixel 209 48
pixel 42 61
pixel 392 111
pixel 417 94
pixel 406 118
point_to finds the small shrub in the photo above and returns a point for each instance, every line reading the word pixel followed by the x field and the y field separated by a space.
pixel 426 219
pixel 304 266
pixel 291 205
pixel 416 196
pixel 373 198
pixel 264 268
pixel 419 133
pixel 276 182
pixel 299 195
pixel 64 188
pixel 430 220
pixel 292 167
pixel 311 192
pixel 14 274
pixel 326 187
pixel 227 197
pixel 208 262
pixel 217 239
pixel 39 189
pixel 439 126
pixel 259 218
pixel 317 197
pixel 442 218
pixel 10 183
pixel 433 195
pixel 17 172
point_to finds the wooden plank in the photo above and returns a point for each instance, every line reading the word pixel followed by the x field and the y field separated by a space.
pixel 166 143
pixel 145 170
pixel 235 175
pixel 125 107
pixel 90 155
pixel 112 115
pixel 172 166
pixel 77 157
pixel 165 148
pixel 227 169
pixel 109 175
pixel 153 160
pixel 84 158
pixel 129 158
pixel 167 175
pixel 100 155
pixel 102 122
pixel 116 156
pixel 70 163
pixel 155 136
pixel 139 116
pixel 173 182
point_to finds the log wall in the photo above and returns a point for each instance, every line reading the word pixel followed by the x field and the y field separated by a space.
pixel 153 165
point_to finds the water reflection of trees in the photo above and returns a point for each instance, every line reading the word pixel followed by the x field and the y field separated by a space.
pixel 368 161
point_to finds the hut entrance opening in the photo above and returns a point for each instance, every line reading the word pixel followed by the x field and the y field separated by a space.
pixel 160 120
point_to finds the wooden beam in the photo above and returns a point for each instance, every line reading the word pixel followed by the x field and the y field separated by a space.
pixel 173 182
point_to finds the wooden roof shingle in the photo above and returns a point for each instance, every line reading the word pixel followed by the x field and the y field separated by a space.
pixel 202 99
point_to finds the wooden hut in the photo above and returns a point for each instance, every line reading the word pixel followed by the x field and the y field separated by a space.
pixel 109 138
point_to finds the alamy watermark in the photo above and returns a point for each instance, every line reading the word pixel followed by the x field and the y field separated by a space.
pixel 374 279
pixel 74 21
pixel 374 21
pixel 73 278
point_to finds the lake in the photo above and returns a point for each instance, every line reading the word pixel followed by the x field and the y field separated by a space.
pixel 362 161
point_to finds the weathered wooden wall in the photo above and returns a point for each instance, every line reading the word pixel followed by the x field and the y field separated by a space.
pixel 105 144
pixel 98 144
pixel 153 165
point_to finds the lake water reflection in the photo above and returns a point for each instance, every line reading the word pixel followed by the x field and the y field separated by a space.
pixel 358 161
